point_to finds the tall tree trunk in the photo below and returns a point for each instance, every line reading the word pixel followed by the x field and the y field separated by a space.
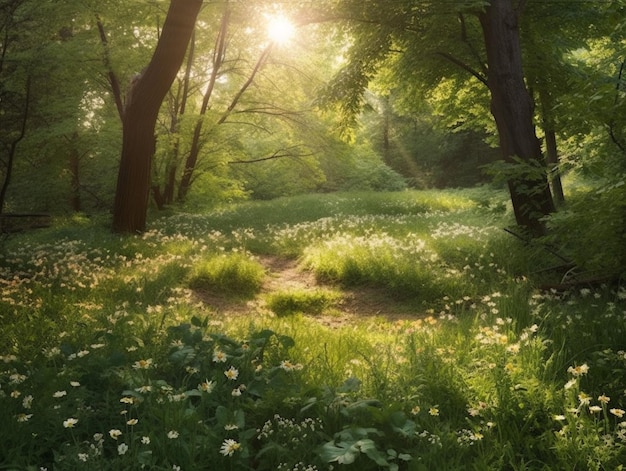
pixel 12 146
pixel 142 108
pixel 74 169
pixel 552 153
pixel 512 109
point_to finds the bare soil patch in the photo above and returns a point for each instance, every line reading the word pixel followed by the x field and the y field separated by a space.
pixel 284 274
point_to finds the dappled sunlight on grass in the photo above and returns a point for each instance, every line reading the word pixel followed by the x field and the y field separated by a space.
pixel 111 360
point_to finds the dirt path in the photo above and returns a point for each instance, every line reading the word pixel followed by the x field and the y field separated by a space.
pixel 284 274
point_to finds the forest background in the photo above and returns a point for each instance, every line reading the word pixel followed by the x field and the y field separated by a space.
pixel 370 98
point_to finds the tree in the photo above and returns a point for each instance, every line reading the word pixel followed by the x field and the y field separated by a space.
pixel 15 90
pixel 512 109
pixel 142 108
pixel 422 33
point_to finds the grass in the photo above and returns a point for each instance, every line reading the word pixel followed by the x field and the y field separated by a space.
pixel 111 361
pixel 294 301
pixel 234 275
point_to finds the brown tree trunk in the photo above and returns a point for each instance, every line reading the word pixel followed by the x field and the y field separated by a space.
pixel 74 169
pixel 512 109
pixel 142 108
pixel 552 153
pixel 12 146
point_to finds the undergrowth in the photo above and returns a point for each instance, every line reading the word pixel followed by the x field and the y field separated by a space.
pixel 111 361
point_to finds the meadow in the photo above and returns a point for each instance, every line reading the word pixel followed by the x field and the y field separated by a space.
pixel 113 355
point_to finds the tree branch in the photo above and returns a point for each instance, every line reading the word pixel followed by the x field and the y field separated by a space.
pixel 112 77
pixel 279 154
pixel 463 66
pixel 470 46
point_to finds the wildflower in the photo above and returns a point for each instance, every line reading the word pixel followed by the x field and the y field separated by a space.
pixel 219 356
pixel 232 373
pixel 584 399
pixel 145 440
pixel 23 417
pixel 69 423
pixel 229 446
pixel 143 364
pixel 115 433
pixel 82 353
pixel 175 467
pixel 207 386
pixel 83 457
pixel 578 370
pixel 434 411
pixel 15 394
pixel 172 434
pixel 122 448
pixel 570 383
pixel 27 402
pixel 51 352
pixel 617 412
pixel 416 410
pixel 127 400
pixel 559 417
pixel 132 422
pixel 236 392
pixel 604 399
pixel 17 378
pixel 74 384
pixel 59 394
pixel 144 389
pixel 230 427
pixel 595 409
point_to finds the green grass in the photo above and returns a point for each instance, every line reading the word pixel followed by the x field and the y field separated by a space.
pixel 110 360
pixel 294 301
pixel 233 275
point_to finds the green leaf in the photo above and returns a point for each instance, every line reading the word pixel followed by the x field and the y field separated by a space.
pixel 342 452
pixel 368 447
pixel 183 356
pixel 351 384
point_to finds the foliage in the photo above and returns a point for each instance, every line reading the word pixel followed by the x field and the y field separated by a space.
pixel 591 230
pixel 289 302
pixel 111 362
pixel 231 274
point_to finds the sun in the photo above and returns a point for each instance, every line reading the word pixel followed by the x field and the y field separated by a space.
pixel 279 29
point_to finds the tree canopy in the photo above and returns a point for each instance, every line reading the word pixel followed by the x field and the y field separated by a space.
pixel 407 92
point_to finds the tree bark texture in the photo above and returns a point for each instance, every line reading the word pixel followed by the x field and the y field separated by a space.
pixel 512 109
pixel 142 108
